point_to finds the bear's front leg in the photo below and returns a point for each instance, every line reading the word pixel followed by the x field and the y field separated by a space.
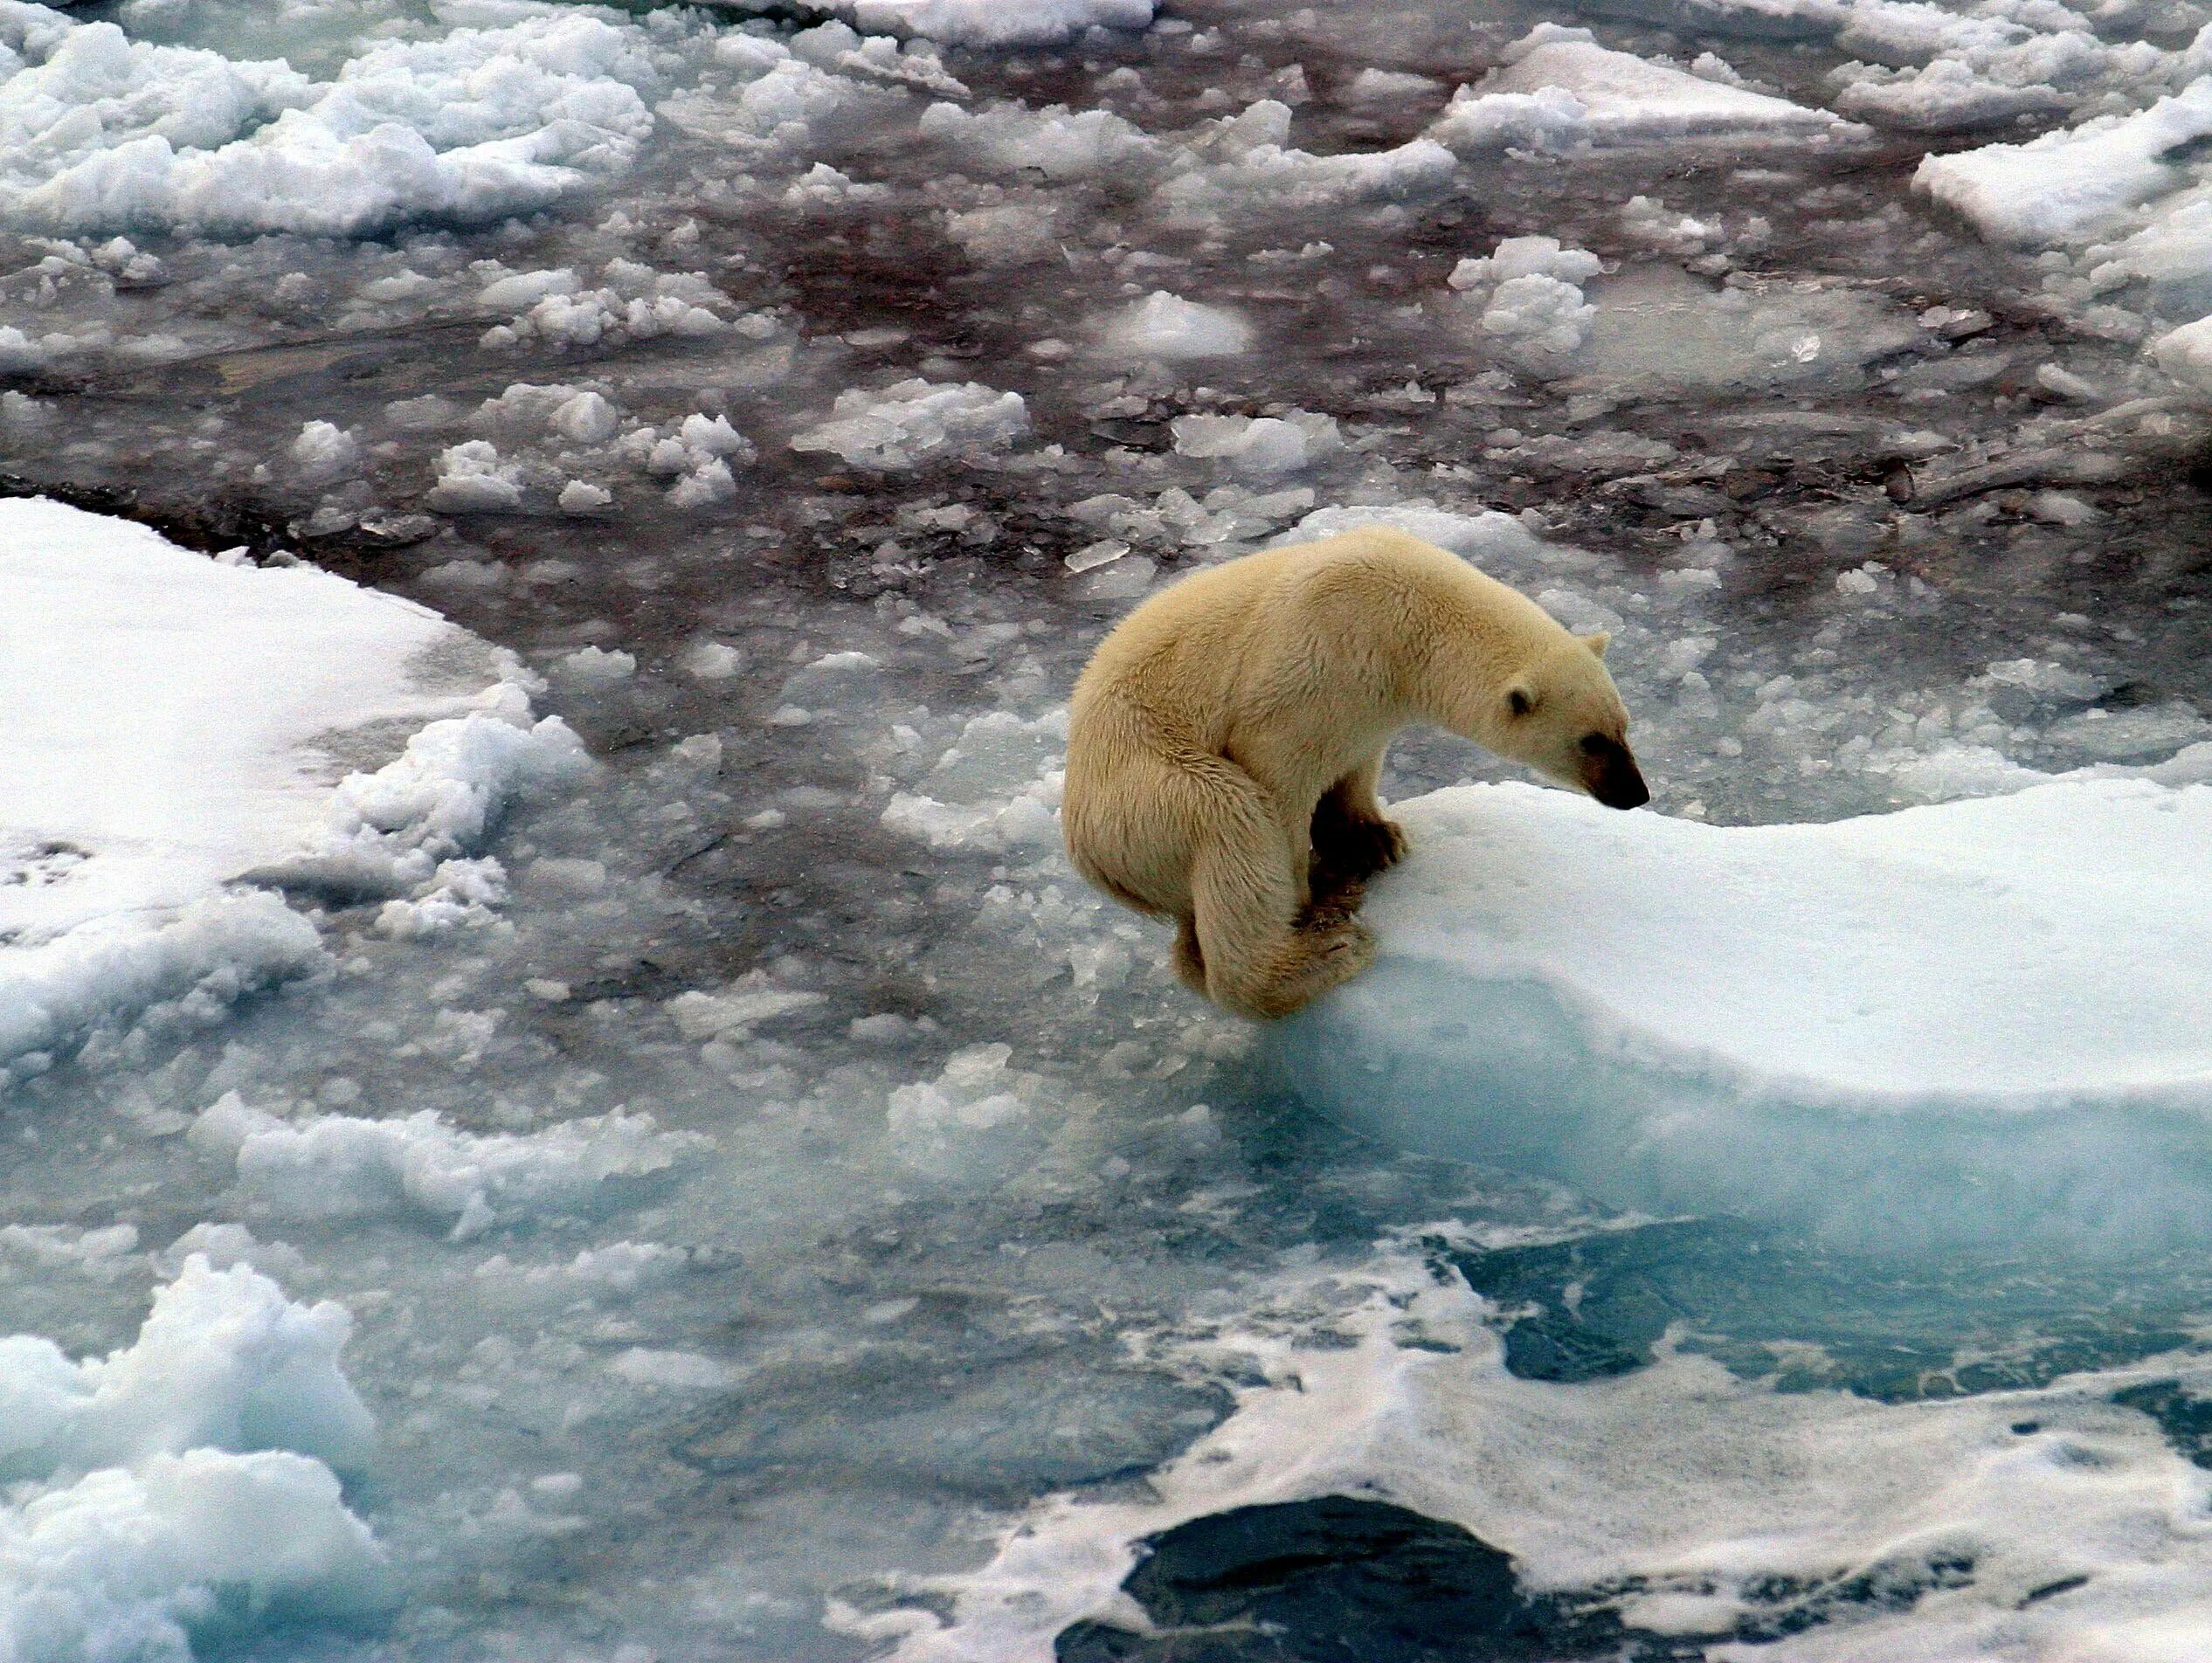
pixel 1260 953
pixel 1352 840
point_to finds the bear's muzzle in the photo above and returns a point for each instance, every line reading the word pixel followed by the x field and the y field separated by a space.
pixel 1610 774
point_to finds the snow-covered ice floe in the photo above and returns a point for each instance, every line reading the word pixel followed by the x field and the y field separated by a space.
pixel 2069 184
pixel 1976 1021
pixel 171 724
pixel 183 1480
pixel 997 22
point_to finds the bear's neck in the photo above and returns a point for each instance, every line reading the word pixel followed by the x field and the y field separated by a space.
pixel 1475 639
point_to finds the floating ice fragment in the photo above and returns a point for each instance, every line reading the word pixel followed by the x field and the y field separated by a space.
pixel 976 1092
pixel 2063 186
pixel 1258 444
pixel 1560 90
pixel 619 1269
pixel 998 23
pixel 2186 355
pixel 472 480
pixel 917 421
pixel 738 1009
pixel 673 1371
pixel 596 666
pixel 99 131
pixel 324 451
pixel 713 661
pixel 1166 325
pixel 1092 555
pixel 183 1471
pixel 338 1165
pixel 102 1253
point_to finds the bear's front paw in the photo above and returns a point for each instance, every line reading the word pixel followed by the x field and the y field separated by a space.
pixel 1351 852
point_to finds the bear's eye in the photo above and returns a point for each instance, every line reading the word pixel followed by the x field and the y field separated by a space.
pixel 1595 744
pixel 1519 702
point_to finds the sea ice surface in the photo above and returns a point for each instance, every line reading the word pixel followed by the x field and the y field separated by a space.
pixel 1967 1021
pixel 768 1186
pixel 2059 187
pixel 174 723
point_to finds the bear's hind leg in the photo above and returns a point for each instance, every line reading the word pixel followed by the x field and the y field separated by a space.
pixel 1187 958
pixel 1351 839
pixel 1260 958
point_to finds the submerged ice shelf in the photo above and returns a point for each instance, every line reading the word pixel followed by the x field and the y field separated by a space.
pixel 1979 1021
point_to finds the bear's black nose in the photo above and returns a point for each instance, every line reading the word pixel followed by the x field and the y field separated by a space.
pixel 1612 776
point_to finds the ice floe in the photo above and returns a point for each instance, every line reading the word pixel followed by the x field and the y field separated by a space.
pixel 1973 1021
pixel 2064 185
pixel 336 1165
pixel 998 23
pixel 1560 90
pixel 174 723
pixel 100 132
pixel 183 1479
pixel 915 422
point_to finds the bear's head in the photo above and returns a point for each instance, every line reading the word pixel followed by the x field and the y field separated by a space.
pixel 1562 716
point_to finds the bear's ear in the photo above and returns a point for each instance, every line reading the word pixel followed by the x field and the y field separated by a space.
pixel 1520 698
pixel 1599 642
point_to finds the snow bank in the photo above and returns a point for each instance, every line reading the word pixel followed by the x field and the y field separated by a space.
pixel 101 133
pixel 1975 1021
pixel 337 1164
pixel 169 723
pixel 1388 1382
pixel 183 1478
pixel 1560 90
pixel 915 422
pixel 2064 185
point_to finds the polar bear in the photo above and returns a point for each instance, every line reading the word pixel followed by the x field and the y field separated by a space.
pixel 1225 740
